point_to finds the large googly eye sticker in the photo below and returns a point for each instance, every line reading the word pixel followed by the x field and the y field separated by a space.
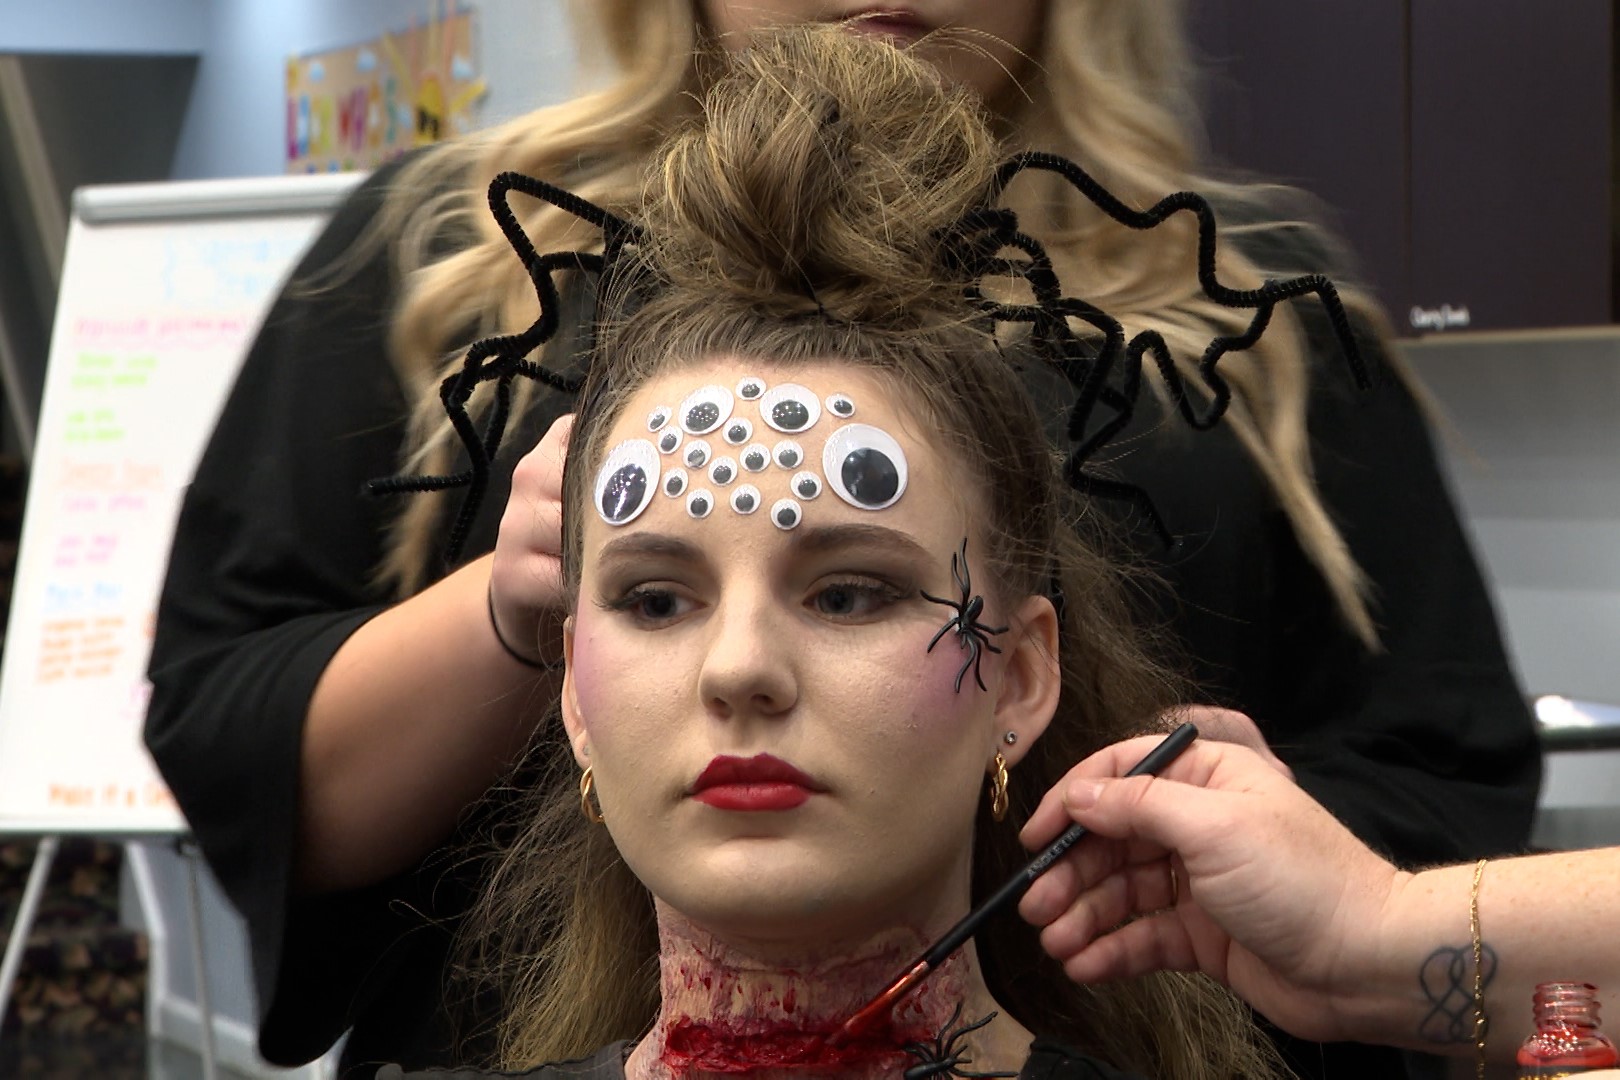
pixel 670 441
pixel 626 482
pixel 700 504
pixel 723 471
pixel 738 430
pixel 658 418
pixel 675 483
pixel 864 466
pixel 750 388
pixel 841 406
pixel 696 455
pixel 756 458
pixel 805 485
pixel 704 410
pixel 745 500
pixel 790 408
pixel 785 514
pixel 788 454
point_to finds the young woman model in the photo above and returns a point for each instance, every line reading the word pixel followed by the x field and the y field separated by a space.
pixel 813 524
pixel 329 700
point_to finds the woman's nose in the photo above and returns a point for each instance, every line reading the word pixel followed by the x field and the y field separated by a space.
pixel 749 668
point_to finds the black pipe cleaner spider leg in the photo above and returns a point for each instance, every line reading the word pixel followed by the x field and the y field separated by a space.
pixel 973 634
pixel 942 1056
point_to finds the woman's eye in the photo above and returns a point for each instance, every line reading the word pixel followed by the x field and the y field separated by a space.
pixel 854 599
pixel 651 604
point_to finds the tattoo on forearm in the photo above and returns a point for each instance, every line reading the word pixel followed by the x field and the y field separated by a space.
pixel 1447 978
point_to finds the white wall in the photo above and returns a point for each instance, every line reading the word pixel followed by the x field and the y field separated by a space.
pixel 124 26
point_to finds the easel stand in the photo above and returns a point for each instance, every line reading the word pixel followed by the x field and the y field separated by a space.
pixel 135 855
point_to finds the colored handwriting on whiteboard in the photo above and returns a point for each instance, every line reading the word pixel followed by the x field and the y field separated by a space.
pixel 150 795
pixel 97 337
pixel 225 270
pixel 80 648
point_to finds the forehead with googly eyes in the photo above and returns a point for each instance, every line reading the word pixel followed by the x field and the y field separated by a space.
pixel 749 446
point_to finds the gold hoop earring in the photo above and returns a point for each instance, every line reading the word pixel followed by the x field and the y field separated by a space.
pixel 592 812
pixel 998 789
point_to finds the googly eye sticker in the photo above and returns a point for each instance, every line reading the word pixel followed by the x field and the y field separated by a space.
pixel 738 430
pixel 704 410
pixel 790 408
pixel 670 441
pixel 785 514
pixel 805 485
pixel 750 388
pixel 675 483
pixel 788 454
pixel 841 405
pixel 864 466
pixel 700 504
pixel 626 481
pixel 723 471
pixel 658 418
pixel 745 500
pixel 756 458
pixel 697 454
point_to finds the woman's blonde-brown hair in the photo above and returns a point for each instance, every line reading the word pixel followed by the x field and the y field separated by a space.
pixel 800 220
pixel 1109 87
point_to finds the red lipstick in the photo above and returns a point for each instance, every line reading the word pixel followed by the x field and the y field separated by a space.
pixel 761 782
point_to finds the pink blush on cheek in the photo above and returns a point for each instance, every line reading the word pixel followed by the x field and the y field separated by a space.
pixel 589 659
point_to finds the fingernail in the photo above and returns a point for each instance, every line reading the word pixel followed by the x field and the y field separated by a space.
pixel 1083 793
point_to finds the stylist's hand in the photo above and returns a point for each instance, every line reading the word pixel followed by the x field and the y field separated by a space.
pixel 525 577
pixel 1272 896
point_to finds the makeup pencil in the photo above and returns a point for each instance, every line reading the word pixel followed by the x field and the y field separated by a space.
pixel 1009 893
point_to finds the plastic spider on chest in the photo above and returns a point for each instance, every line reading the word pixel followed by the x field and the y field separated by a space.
pixel 973 634
pixel 946 1054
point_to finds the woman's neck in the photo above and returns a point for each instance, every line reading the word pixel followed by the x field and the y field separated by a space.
pixel 729 1008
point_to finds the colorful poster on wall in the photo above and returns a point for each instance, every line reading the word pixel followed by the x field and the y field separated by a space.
pixel 358 107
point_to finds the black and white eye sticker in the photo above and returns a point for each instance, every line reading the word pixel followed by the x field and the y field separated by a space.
pixel 864 466
pixel 658 418
pixel 670 441
pixel 785 514
pixel 756 458
pixel 700 504
pixel 739 429
pixel 697 454
pixel 745 500
pixel 750 388
pixel 626 482
pixel 790 408
pixel 675 483
pixel 788 454
pixel 805 485
pixel 841 406
pixel 705 409
pixel 723 471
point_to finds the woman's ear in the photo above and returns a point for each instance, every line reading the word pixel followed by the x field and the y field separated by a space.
pixel 573 722
pixel 1031 679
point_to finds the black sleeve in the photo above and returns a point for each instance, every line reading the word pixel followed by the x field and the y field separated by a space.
pixel 267 577
pixel 1426 747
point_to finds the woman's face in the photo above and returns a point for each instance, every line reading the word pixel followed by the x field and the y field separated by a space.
pixel 986 54
pixel 775 749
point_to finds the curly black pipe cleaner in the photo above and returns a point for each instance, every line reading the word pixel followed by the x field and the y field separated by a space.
pixel 501 358
pixel 1105 373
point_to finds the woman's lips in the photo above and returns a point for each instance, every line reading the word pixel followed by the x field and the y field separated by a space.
pixel 761 782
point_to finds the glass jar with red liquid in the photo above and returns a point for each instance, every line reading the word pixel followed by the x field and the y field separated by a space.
pixel 1567 1039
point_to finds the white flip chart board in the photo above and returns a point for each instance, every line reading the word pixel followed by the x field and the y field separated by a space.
pixel 162 290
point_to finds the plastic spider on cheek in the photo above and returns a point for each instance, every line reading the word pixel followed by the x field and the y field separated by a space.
pixel 973 634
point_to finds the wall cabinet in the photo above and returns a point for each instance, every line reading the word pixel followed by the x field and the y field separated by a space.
pixel 1465 147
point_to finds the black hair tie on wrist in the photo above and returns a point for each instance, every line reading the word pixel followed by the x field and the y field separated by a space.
pixel 538 665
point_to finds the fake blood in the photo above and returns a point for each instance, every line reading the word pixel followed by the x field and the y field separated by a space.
pixel 719 1047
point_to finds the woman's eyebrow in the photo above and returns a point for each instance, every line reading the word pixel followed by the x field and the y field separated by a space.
pixel 835 537
pixel 641 545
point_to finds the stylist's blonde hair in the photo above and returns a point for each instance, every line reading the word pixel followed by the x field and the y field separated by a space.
pixel 1109 88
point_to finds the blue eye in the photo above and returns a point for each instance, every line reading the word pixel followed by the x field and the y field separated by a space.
pixel 626 481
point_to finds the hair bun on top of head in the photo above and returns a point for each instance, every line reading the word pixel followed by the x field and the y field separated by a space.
pixel 821 155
